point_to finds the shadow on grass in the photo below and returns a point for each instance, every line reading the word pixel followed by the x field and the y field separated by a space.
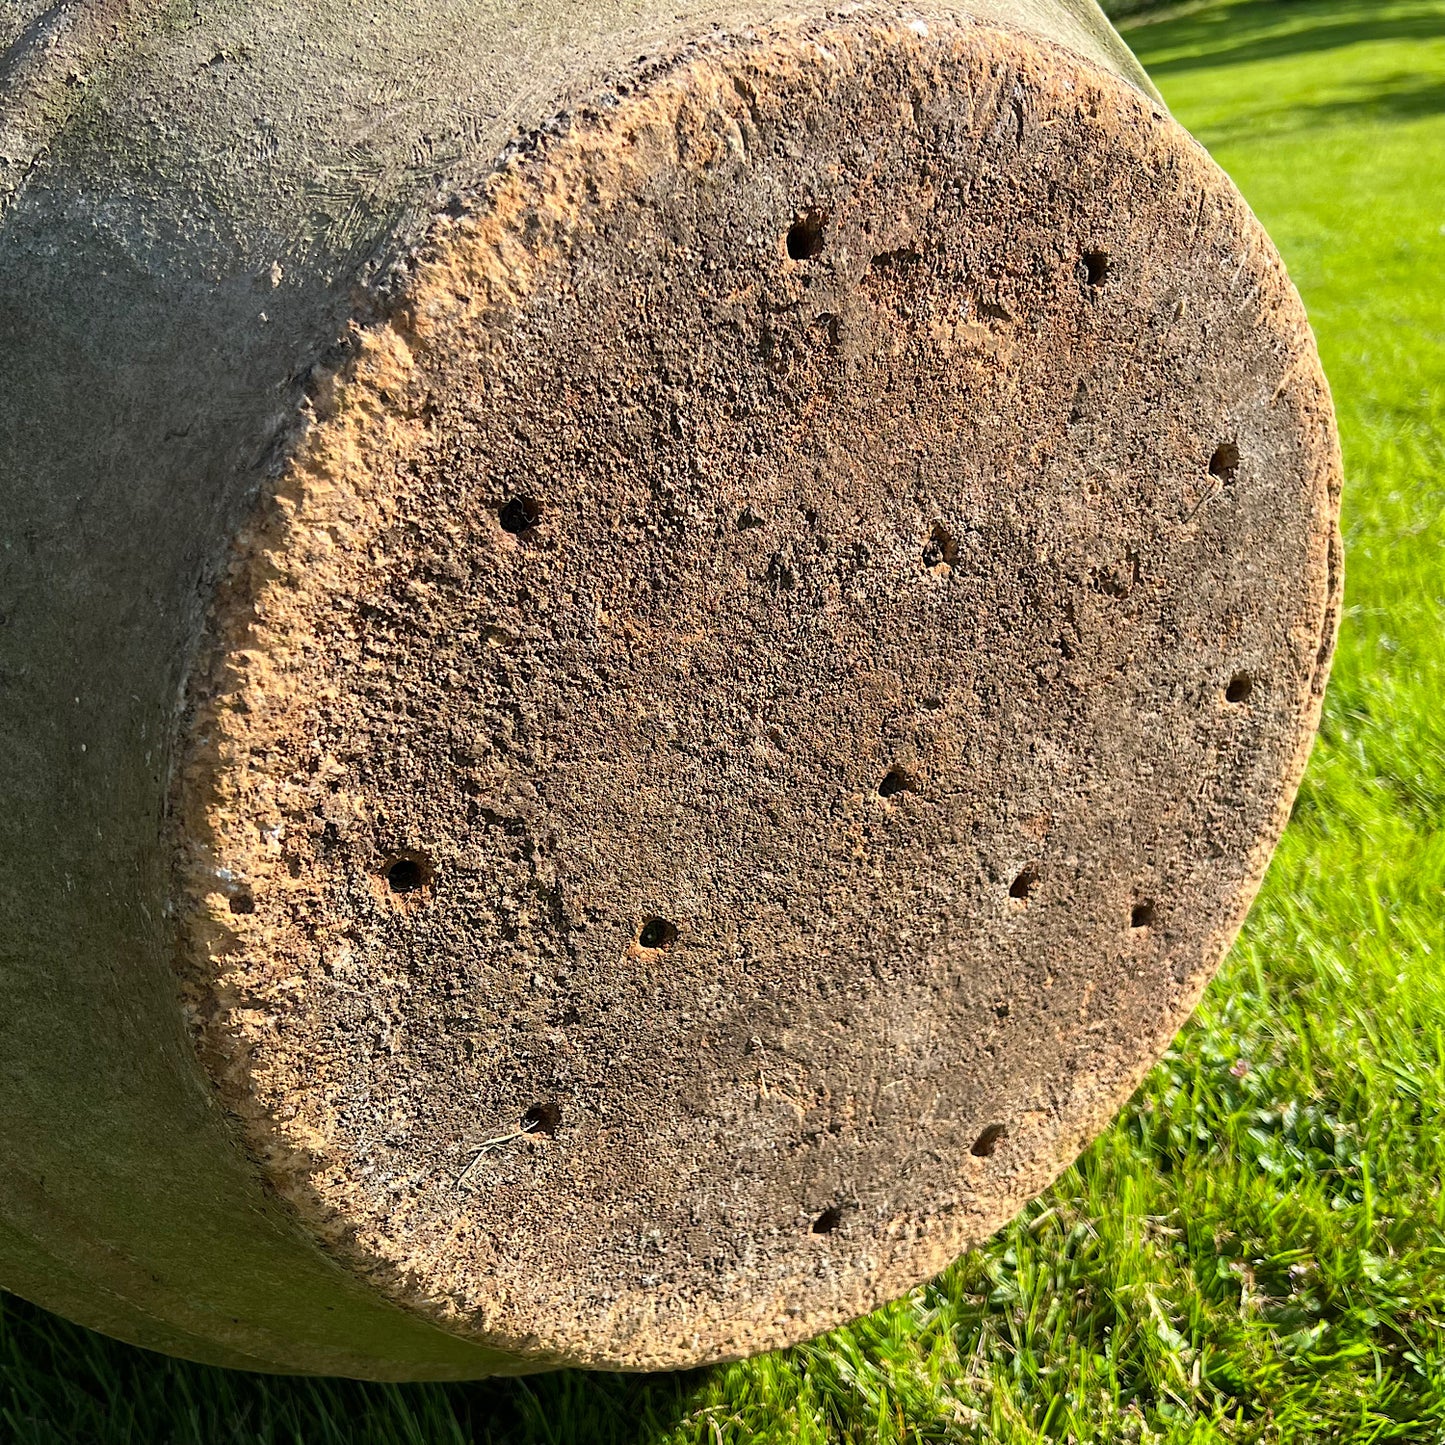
pixel 1399 98
pixel 61 1384
pixel 1273 30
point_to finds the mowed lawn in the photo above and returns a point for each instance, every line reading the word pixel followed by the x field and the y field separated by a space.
pixel 1256 1249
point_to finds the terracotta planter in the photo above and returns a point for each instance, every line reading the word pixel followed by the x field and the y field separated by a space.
pixel 649 652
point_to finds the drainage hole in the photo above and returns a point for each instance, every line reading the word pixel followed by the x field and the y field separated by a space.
pixel 1142 914
pixel 1224 464
pixel 940 550
pixel 1096 266
pixel 657 933
pixel 828 1220
pixel 1023 885
pixel 805 236
pixel 989 1140
pixel 406 875
pixel 242 903
pixel 520 515
pixel 897 780
pixel 1241 687
pixel 543 1118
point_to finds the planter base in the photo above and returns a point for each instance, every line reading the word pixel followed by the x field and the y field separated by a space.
pixel 763 695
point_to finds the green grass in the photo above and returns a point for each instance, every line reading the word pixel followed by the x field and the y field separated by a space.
pixel 1256 1249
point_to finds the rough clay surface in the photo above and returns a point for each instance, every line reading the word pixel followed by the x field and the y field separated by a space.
pixel 765 692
